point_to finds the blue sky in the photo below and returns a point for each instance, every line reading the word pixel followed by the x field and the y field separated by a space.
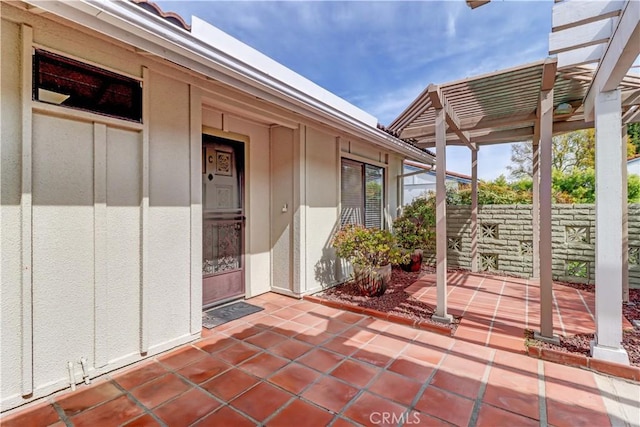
pixel 380 55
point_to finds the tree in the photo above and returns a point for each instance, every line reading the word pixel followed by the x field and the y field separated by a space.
pixel 571 151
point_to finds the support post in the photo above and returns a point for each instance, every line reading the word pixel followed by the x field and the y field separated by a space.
pixel 474 211
pixel 546 276
pixel 609 180
pixel 441 314
pixel 625 218
pixel 535 210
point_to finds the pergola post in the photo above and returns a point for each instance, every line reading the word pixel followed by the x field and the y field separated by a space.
pixel 609 230
pixel 441 218
pixel 625 218
pixel 474 211
pixel 535 210
pixel 546 276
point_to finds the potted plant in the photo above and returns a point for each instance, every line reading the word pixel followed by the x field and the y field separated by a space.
pixel 371 252
pixel 415 230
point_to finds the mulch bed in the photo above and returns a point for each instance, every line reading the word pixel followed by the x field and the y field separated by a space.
pixel 394 301
pixel 580 343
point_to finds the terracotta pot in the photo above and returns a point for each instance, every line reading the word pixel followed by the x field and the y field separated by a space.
pixel 372 281
pixel 415 264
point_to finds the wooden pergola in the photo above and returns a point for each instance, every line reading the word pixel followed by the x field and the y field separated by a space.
pixel 533 102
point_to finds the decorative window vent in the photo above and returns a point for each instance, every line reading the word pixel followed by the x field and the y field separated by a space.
pixel 526 247
pixel 488 262
pixel 634 255
pixel 578 269
pixel 489 231
pixel 577 234
pixel 454 244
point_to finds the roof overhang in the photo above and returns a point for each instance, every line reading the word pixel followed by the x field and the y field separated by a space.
pixel 243 68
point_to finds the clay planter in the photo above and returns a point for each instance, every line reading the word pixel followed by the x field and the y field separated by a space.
pixel 415 263
pixel 372 281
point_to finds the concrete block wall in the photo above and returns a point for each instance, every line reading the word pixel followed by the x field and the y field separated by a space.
pixel 505 240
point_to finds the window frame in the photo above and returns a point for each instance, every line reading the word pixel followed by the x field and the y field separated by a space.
pixel 363 163
pixel 108 77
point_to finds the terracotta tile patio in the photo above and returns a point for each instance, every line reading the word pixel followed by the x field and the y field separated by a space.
pixel 300 364
pixel 497 309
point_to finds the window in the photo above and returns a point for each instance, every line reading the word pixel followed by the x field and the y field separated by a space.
pixel 361 194
pixel 63 81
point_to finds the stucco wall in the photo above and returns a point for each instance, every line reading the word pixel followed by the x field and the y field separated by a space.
pixel 282 208
pixel 505 235
pixel 10 136
pixel 322 201
pixel 85 231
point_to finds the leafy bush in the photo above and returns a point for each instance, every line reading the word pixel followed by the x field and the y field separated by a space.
pixel 368 247
pixel 416 227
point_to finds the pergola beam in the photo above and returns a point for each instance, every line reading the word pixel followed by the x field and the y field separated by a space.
pixel 477 3
pixel 512 135
pixel 549 69
pixel 622 51
pixel 439 101
pixel 472 124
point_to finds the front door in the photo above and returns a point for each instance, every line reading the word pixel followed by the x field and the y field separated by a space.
pixel 223 220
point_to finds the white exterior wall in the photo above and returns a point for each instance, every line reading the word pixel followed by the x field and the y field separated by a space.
pixel 321 208
pixel 86 235
pixel 10 243
pixel 115 230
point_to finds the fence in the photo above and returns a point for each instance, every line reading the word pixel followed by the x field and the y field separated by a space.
pixel 505 240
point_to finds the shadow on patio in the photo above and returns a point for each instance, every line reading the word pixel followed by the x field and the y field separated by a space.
pixel 298 363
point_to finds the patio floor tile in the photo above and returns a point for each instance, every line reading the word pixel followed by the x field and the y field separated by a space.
pixel 145 420
pixel 225 416
pixel 113 413
pixel 299 413
pixel 264 369
pixel 294 377
pixel 261 401
pixel 455 383
pixel 330 394
pixel 355 373
pixel 412 368
pixel 396 387
pixel 266 339
pixel 492 417
pixel 42 415
pixel 83 399
pixel 237 353
pixel 138 375
pixel 158 391
pixel 369 409
pixel 520 402
pixel 204 369
pixel 263 365
pixel 320 359
pixel 230 384
pixel 291 349
pixel 445 405
pixel 182 357
pixel 187 408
